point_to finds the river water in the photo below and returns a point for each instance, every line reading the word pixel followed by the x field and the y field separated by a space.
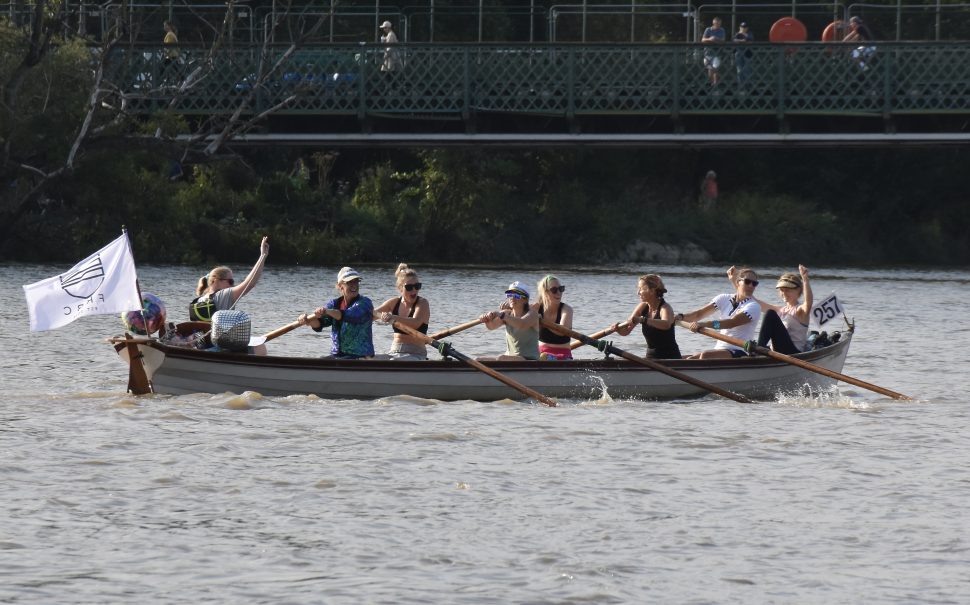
pixel 851 497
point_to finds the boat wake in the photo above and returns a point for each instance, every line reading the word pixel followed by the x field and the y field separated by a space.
pixel 831 397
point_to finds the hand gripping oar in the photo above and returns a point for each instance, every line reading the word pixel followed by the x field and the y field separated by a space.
pixel 794 361
pixel 596 335
pixel 454 330
pixel 448 351
pixel 609 348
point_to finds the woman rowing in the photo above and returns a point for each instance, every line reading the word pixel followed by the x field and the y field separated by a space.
pixel 553 346
pixel 218 291
pixel 737 316
pixel 350 317
pixel 410 310
pixel 656 316
pixel 521 324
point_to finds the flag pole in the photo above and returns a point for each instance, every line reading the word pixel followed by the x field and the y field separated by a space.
pixel 141 301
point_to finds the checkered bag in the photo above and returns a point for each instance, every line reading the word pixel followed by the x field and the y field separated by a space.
pixel 230 330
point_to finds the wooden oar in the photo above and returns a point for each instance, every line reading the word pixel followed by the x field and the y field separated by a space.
pixel 138 383
pixel 797 362
pixel 454 330
pixel 609 348
pixel 447 350
pixel 282 330
pixel 596 335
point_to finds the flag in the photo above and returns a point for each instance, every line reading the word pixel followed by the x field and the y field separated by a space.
pixel 102 283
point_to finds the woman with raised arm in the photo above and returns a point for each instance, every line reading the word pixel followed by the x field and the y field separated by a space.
pixel 410 310
pixel 553 346
pixel 350 317
pixel 657 318
pixel 786 326
pixel 737 316
pixel 521 324
pixel 217 290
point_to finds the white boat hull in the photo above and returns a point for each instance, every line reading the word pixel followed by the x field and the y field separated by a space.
pixel 181 371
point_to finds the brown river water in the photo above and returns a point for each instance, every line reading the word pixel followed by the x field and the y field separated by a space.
pixel 845 498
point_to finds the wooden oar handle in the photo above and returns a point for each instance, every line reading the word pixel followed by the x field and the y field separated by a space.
pixel 795 361
pixel 597 335
pixel 456 329
pixel 446 349
pixel 282 330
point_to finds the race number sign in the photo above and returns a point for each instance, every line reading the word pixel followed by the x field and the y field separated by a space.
pixel 825 311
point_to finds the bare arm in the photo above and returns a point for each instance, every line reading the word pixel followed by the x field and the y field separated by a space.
pixel 624 329
pixel 247 284
pixel 805 309
pixel 697 313
pixel 422 315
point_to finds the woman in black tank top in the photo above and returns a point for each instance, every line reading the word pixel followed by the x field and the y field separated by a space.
pixel 409 309
pixel 657 318
pixel 553 346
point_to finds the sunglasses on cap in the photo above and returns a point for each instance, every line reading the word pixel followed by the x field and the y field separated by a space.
pixel 557 289
pixel 414 286
pixel 749 282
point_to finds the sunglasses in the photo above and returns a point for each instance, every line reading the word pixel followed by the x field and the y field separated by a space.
pixel 557 289
pixel 749 282
pixel 414 286
pixel 514 295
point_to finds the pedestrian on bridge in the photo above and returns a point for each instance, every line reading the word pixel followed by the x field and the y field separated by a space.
pixel 713 35
pixel 392 56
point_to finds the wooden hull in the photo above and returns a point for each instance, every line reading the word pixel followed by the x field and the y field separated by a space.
pixel 180 371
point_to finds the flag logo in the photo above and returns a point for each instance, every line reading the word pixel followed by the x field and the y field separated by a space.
pixel 84 281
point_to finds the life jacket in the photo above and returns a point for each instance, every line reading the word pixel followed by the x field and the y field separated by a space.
pixel 201 308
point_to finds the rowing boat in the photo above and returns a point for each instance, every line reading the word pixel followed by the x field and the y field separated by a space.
pixel 177 370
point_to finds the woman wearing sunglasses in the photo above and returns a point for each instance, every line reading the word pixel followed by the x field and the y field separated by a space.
pixel 737 315
pixel 409 309
pixel 657 318
pixel 786 326
pixel 521 324
pixel 218 291
pixel 553 346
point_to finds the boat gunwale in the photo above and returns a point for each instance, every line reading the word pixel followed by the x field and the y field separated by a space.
pixel 573 365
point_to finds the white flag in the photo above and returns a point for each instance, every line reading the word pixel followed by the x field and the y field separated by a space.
pixel 102 283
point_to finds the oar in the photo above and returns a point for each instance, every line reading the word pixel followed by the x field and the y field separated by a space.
pixel 282 330
pixel 447 350
pixel 797 362
pixel 454 330
pixel 596 335
pixel 609 348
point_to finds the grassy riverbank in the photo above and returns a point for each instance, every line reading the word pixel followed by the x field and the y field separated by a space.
pixel 817 207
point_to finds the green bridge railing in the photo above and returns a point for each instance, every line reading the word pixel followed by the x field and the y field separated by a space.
pixel 461 81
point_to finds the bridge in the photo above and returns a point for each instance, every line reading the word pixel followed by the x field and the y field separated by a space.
pixel 905 93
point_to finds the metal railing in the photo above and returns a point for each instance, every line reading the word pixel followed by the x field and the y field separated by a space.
pixel 456 81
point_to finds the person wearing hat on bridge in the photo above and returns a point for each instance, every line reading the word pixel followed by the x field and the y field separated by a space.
pixel 350 318
pixel 742 56
pixel 521 324
pixel 392 57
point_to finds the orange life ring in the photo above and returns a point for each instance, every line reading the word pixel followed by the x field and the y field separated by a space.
pixel 834 31
pixel 788 29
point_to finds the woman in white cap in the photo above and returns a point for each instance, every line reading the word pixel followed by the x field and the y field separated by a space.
pixel 410 310
pixel 392 60
pixel 553 346
pixel 350 317
pixel 786 326
pixel 521 324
